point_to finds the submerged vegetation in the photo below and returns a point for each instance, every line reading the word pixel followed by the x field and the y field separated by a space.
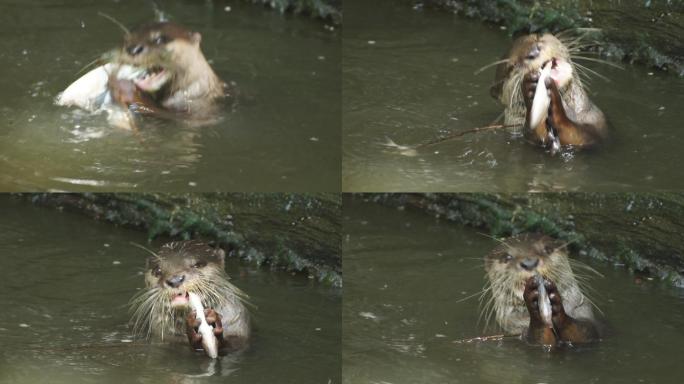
pixel 324 9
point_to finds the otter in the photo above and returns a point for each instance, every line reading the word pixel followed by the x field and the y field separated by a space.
pixel 177 76
pixel 524 270
pixel 163 307
pixel 159 70
pixel 571 118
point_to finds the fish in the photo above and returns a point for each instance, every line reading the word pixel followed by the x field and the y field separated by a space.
pixel 544 302
pixel 209 341
pixel 541 100
pixel 91 93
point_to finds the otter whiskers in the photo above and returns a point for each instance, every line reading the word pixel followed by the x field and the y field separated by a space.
pixel 150 308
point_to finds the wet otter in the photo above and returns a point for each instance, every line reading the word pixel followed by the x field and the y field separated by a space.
pixel 159 70
pixel 163 307
pixel 515 270
pixel 571 119
pixel 178 77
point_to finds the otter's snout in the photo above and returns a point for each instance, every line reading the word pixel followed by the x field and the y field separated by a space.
pixel 175 281
pixel 529 264
pixel 135 49
pixel 534 52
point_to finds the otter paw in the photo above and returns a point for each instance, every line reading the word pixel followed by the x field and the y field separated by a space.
pixel 556 104
pixel 192 324
pixel 557 310
pixel 531 297
pixel 529 86
pixel 214 319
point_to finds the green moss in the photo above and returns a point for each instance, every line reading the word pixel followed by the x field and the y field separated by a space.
pixel 639 231
pixel 324 9
pixel 642 32
pixel 286 231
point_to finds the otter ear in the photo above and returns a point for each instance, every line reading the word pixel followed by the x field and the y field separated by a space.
pixel 149 262
pixel 196 38
pixel 551 245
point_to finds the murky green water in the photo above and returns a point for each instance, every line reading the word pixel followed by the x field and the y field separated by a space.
pixel 64 293
pixel 284 135
pixel 405 273
pixel 408 75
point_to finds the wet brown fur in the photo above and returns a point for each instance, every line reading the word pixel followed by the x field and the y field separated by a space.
pixel 200 269
pixel 572 116
pixel 193 88
pixel 513 292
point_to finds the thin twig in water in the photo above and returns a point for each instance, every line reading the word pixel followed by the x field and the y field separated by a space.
pixel 458 134
pixel 408 150
pixel 480 338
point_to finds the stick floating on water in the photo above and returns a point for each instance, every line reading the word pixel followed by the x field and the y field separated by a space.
pixel 479 339
pixel 411 151
pixel 209 341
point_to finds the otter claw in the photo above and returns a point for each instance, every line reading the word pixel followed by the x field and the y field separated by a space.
pixel 531 296
pixel 192 327
pixel 193 320
pixel 214 319
pixel 554 298
pixel 211 316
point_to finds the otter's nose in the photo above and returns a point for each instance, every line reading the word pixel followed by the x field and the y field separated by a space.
pixel 175 281
pixel 529 264
pixel 534 52
pixel 135 49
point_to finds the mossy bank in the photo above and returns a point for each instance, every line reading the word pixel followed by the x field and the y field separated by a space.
pixel 638 231
pixel 296 232
pixel 647 32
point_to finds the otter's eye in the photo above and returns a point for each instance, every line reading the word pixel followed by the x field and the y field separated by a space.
pixel 156 271
pixel 507 257
pixel 161 39
pixel 199 264
pixel 549 249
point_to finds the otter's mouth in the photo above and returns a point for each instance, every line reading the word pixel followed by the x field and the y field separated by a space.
pixel 153 79
pixel 180 299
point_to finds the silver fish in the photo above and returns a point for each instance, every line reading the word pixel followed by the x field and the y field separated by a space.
pixel 209 341
pixel 544 302
pixel 541 100
pixel 90 91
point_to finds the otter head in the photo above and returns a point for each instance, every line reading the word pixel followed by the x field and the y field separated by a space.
pixel 165 50
pixel 177 269
pixel 514 261
pixel 530 53
pixel 182 267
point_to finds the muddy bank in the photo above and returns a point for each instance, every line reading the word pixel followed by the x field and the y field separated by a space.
pixel 296 232
pixel 645 32
pixel 640 231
